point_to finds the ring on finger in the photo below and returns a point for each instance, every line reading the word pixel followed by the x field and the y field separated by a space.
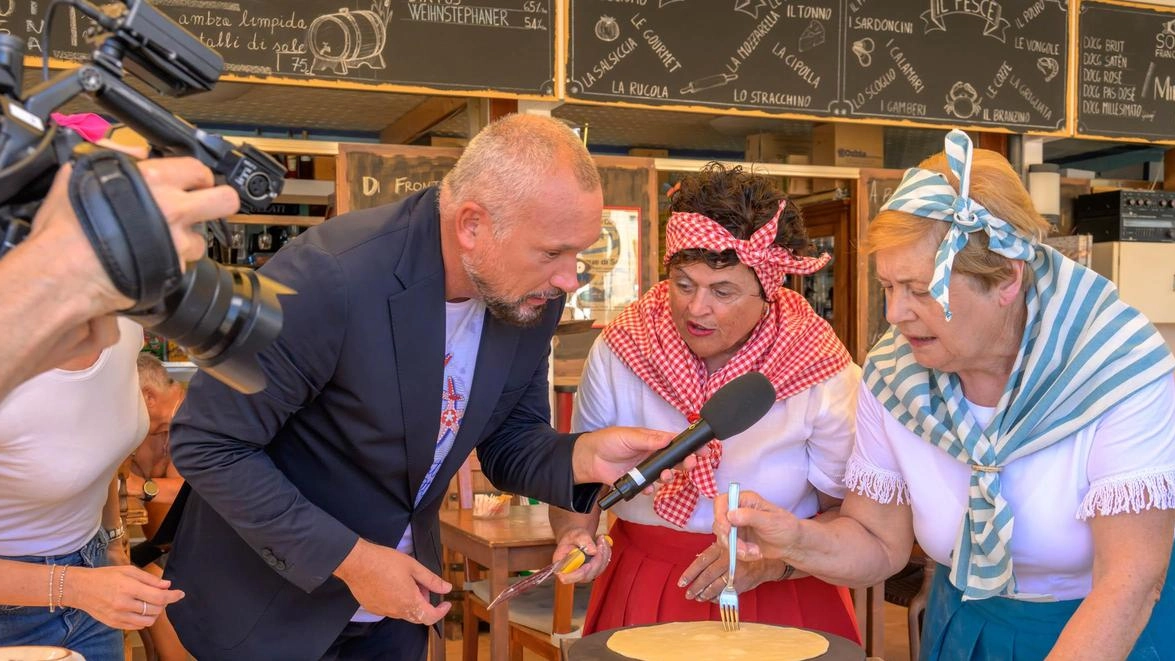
pixel 720 581
pixel 144 611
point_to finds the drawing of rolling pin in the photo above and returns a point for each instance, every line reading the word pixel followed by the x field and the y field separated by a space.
pixel 709 82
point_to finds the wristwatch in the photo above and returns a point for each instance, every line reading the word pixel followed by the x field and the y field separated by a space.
pixel 150 490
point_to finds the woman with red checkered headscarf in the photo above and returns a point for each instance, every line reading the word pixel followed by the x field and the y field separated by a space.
pixel 723 311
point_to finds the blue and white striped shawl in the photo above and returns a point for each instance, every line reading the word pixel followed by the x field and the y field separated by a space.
pixel 1083 352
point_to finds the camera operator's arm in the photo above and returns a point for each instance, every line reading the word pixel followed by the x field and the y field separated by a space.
pixel 59 299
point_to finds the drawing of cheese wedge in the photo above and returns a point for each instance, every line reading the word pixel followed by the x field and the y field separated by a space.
pixel 812 36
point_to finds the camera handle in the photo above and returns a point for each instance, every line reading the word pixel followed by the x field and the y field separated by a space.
pixel 105 190
pixel 253 174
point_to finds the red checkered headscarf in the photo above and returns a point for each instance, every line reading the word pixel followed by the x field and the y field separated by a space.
pixel 769 261
pixel 791 345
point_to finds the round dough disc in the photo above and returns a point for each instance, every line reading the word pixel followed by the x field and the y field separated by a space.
pixel 708 640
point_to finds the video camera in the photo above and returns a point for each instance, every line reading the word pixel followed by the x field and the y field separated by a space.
pixel 222 316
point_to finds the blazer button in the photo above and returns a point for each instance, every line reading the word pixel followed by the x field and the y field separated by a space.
pixel 280 565
pixel 267 555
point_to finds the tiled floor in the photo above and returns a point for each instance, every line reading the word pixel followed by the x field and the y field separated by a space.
pixel 897 647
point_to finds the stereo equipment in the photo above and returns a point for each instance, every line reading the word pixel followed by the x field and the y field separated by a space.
pixel 1126 215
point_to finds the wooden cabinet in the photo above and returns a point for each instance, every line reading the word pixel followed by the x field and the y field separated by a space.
pixel 1144 274
pixel 830 290
pixel 873 188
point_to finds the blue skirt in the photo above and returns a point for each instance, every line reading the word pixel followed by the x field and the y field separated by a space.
pixel 1011 630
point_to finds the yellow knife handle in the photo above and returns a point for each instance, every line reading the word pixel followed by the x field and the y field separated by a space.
pixel 576 558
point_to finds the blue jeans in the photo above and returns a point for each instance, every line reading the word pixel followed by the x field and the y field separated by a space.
pixel 64 627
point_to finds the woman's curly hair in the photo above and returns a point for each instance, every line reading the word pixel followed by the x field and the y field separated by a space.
pixel 740 202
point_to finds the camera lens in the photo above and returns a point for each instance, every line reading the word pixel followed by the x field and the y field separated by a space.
pixel 222 316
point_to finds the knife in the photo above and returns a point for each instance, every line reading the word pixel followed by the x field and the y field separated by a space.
pixel 568 564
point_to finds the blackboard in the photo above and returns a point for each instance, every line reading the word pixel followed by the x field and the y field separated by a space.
pixel 500 45
pixel 1126 72
pixel 703 53
pixel 964 62
pixel 370 175
pixel 958 62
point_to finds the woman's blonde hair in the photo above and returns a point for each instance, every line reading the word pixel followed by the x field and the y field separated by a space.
pixel 996 186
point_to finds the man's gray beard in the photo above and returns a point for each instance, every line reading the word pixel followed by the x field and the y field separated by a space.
pixel 513 312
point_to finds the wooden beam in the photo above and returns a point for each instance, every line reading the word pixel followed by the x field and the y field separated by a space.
pixel 482 111
pixel 1169 169
pixel 417 121
pixel 997 142
pixel 501 107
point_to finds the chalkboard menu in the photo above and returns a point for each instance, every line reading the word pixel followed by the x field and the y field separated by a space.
pixel 1126 79
pixel 500 45
pixel 969 63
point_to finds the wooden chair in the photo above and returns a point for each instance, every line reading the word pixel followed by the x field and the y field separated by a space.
pixel 869 605
pixel 537 618
pixel 436 645
pixel 911 588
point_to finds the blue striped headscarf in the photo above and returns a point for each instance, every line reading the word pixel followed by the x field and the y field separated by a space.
pixel 1083 352
pixel 928 194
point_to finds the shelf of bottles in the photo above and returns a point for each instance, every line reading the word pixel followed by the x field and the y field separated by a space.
pixel 250 240
pixel 306 201
pixel 818 286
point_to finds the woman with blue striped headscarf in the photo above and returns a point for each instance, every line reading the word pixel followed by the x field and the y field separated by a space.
pixel 1017 420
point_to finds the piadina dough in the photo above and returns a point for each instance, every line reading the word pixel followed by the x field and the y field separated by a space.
pixel 708 640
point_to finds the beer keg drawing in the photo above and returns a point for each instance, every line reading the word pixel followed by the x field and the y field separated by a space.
pixel 347 40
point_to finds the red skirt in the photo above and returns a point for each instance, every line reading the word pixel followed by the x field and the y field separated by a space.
pixel 640 587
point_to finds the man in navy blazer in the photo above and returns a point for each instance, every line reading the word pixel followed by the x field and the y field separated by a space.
pixel 312 529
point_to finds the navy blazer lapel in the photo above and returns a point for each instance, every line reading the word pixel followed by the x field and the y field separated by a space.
pixel 418 338
pixel 499 341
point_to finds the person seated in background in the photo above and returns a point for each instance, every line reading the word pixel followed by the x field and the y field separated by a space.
pixel 1017 419
pixel 723 311
pixel 151 476
pixel 65 578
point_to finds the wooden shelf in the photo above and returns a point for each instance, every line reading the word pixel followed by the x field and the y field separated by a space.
pixel 307 191
pixel 265 219
pixel 772 169
pixel 287 145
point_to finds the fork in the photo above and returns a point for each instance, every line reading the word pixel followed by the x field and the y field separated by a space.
pixel 728 598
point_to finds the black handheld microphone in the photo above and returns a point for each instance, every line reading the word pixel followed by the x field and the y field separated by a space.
pixel 731 411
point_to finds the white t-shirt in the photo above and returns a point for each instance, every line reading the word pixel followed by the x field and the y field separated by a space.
pixel 62 436
pixel 463 325
pixel 1125 462
pixel 799 447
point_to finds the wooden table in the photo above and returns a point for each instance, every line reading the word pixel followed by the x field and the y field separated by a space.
pixel 521 540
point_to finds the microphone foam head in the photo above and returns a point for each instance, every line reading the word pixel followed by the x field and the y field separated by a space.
pixel 738 405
